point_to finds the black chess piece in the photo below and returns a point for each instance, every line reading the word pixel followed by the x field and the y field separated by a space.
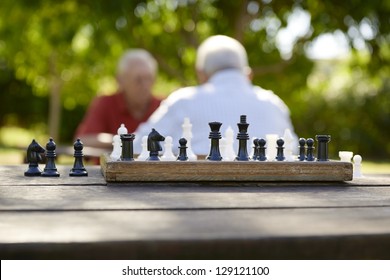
pixel 310 149
pixel 34 151
pixel 280 150
pixel 215 135
pixel 261 155
pixel 127 147
pixel 255 149
pixel 322 147
pixel 182 150
pixel 50 168
pixel 78 169
pixel 154 146
pixel 243 138
pixel 302 149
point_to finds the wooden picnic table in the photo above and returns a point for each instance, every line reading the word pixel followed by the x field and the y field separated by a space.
pixel 78 218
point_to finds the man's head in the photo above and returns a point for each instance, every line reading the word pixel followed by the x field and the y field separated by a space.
pixel 219 53
pixel 136 74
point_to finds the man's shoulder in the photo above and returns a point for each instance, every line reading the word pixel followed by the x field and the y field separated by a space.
pixel 266 95
pixel 182 94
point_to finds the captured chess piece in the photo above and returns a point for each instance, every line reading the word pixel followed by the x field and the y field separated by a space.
pixel 34 151
pixel 255 149
pixel 50 168
pixel 310 149
pixel 243 138
pixel 127 147
pixel 215 135
pixel 261 153
pixel 280 150
pixel 322 147
pixel 302 149
pixel 168 154
pixel 78 169
pixel 345 156
pixel 357 166
pixel 154 146
pixel 182 150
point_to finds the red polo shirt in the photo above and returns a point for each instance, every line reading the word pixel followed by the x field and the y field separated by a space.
pixel 107 113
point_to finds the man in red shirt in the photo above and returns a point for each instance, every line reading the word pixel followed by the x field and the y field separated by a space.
pixel 131 105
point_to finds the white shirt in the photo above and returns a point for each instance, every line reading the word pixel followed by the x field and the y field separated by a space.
pixel 227 95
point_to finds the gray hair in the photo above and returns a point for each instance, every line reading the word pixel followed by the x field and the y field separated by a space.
pixel 133 55
pixel 221 52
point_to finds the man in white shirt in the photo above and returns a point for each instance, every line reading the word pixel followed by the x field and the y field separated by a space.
pixel 225 93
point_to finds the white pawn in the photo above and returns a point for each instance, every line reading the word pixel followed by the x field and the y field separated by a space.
pixel 122 129
pixel 168 154
pixel 187 134
pixel 288 144
pixel 117 148
pixel 144 152
pixel 345 156
pixel 357 166
pixel 271 146
pixel 230 154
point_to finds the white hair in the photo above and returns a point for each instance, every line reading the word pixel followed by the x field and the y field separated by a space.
pixel 134 55
pixel 221 52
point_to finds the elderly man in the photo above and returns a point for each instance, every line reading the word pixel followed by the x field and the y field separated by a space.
pixel 225 93
pixel 132 104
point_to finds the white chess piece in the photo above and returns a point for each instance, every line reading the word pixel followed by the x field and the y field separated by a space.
pixel 345 156
pixel 168 154
pixel 222 147
pixel 117 148
pixel 144 152
pixel 230 155
pixel 187 134
pixel 288 144
pixel 357 166
pixel 122 129
pixel 271 146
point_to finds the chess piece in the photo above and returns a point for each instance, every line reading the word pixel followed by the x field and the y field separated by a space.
pixel 78 169
pixel 288 144
pixel 229 154
pixel 33 158
pixel 50 168
pixel 122 130
pixel 242 138
pixel 280 150
pixel 117 148
pixel 302 149
pixel 357 166
pixel 261 150
pixel 271 145
pixel 322 147
pixel 310 149
pixel 345 156
pixel 187 134
pixel 182 150
pixel 144 152
pixel 127 147
pixel 215 135
pixel 168 154
pixel 154 146
pixel 255 149
pixel 222 148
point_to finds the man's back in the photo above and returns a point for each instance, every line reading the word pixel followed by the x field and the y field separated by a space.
pixel 227 95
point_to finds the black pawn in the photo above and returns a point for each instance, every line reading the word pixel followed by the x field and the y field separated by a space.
pixel 50 168
pixel 34 151
pixel 322 147
pixel 78 169
pixel 302 149
pixel 243 138
pixel 215 135
pixel 127 147
pixel 261 155
pixel 255 149
pixel 310 149
pixel 280 150
pixel 182 150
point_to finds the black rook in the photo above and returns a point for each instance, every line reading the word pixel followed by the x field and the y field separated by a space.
pixel 322 147
pixel 127 147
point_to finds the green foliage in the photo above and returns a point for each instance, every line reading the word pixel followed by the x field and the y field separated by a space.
pixel 70 48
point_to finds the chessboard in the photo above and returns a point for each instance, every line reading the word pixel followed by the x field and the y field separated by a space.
pixel 203 171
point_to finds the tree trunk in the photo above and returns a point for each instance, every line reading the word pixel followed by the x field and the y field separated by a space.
pixel 54 117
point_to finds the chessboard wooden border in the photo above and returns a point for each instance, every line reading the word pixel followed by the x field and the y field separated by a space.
pixel 203 171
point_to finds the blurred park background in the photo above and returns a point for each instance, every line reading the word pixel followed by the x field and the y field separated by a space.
pixel 328 60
